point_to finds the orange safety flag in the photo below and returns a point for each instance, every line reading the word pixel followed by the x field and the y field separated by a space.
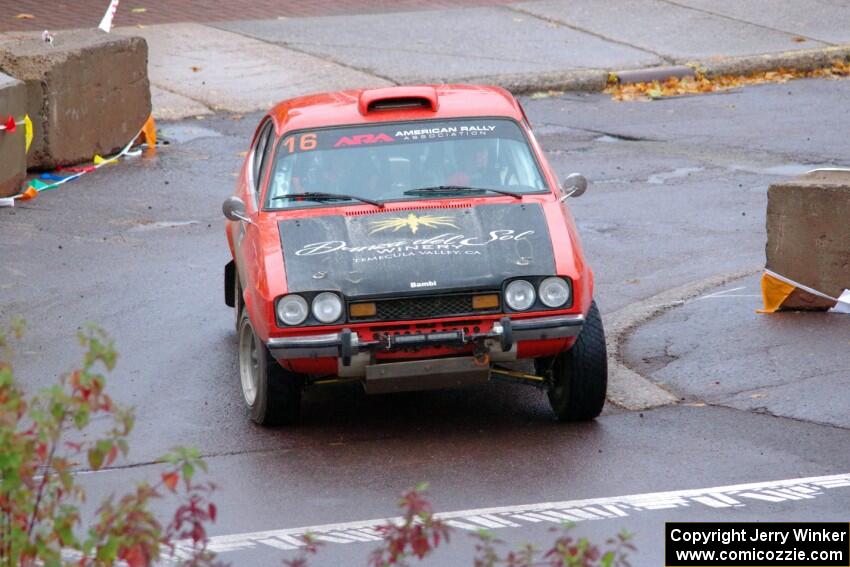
pixel 776 289
pixel 149 132
pixel 774 292
pixel 30 193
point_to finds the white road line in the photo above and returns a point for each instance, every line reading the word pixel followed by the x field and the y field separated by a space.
pixel 557 516
pixel 726 499
pixel 581 514
pixel 484 522
pixel 615 510
pixel 712 502
pixel 527 518
pixel 278 544
pixel 502 517
pixel 764 497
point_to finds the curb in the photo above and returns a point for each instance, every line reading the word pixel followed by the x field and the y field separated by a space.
pixel 587 80
pixel 801 60
pixel 650 74
pixel 594 80
pixel 626 387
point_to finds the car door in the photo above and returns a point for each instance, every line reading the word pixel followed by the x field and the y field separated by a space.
pixel 246 236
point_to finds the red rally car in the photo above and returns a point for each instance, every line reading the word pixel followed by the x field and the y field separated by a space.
pixel 408 238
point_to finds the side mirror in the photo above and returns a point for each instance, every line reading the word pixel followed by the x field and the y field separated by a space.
pixel 234 209
pixel 574 185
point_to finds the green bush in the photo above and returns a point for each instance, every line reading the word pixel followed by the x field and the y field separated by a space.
pixel 43 443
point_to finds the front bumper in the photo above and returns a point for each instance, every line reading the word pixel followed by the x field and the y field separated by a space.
pixel 504 335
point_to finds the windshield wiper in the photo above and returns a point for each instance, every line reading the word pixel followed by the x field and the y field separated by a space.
pixel 458 190
pixel 319 196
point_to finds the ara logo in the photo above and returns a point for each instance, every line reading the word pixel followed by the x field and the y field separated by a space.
pixel 430 283
pixel 360 139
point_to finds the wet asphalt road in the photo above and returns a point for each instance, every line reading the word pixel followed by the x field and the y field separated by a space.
pixel 677 195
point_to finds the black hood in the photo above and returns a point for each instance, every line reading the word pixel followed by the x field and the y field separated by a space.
pixel 416 250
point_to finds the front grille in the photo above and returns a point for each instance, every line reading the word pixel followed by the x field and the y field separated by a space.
pixel 427 307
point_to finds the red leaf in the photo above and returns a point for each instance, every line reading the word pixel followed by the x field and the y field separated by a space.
pixel 212 511
pixel 111 456
pixel 42 451
pixel 198 533
pixel 170 479
pixel 419 544
pixel 135 557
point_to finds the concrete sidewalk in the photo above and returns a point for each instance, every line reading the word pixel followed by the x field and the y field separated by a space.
pixel 241 66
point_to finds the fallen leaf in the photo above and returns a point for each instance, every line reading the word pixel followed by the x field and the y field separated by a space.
pixel 242 154
pixel 139 10
pixel 701 84
pixel 799 39
pixel 24 17
pixel 758 395
pixel 195 69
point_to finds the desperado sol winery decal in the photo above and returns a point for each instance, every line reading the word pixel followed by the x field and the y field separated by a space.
pixel 382 253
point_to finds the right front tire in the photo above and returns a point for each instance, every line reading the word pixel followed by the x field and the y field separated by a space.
pixel 272 394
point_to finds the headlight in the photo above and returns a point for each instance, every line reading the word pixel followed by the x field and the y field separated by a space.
pixel 519 295
pixel 554 292
pixel 292 309
pixel 327 307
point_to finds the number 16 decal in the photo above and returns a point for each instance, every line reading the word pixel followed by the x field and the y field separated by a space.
pixel 305 143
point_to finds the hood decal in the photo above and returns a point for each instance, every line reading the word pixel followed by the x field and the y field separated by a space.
pixel 416 250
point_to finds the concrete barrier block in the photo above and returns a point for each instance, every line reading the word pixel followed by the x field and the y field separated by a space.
pixel 87 93
pixel 808 234
pixel 13 160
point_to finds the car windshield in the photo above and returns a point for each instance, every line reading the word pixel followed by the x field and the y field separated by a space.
pixel 411 160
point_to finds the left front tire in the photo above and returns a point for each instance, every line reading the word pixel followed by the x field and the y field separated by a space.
pixel 272 394
pixel 579 377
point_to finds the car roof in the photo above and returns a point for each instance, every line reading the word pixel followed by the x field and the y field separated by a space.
pixel 356 106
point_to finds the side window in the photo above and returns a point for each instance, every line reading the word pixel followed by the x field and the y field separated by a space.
pixel 259 154
pixel 266 156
